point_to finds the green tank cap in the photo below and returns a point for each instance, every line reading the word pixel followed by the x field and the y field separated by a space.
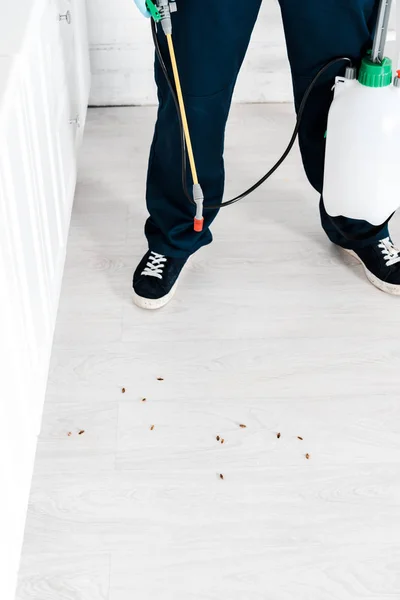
pixel 375 74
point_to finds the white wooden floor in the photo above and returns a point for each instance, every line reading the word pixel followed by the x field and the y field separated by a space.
pixel 270 329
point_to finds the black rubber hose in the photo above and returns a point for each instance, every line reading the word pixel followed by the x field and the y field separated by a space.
pixel 284 155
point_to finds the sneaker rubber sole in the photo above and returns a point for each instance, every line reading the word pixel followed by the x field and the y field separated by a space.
pixel 154 304
pixel 383 286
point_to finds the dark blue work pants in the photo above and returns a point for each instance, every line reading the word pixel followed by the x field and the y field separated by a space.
pixel 211 38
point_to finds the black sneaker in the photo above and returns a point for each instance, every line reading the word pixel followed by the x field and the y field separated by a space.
pixel 381 264
pixel 155 280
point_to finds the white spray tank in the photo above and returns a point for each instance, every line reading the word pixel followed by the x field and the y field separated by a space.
pixel 362 161
pixel 363 137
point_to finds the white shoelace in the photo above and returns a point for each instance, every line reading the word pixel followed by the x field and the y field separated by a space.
pixel 391 254
pixel 155 265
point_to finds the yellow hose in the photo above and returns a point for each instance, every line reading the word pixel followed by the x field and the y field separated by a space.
pixel 182 109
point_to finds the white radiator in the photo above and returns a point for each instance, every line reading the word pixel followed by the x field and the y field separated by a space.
pixel 44 90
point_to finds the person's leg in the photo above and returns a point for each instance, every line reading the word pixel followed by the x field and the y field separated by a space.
pixel 318 31
pixel 211 39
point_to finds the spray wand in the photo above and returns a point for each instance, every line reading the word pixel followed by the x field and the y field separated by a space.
pixel 161 13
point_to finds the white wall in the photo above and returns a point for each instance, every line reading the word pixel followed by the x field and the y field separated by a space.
pixel 122 56
pixel 44 85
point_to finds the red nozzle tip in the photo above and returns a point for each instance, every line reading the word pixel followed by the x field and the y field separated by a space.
pixel 398 73
pixel 198 225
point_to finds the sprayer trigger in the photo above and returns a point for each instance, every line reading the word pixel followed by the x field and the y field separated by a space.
pixel 153 10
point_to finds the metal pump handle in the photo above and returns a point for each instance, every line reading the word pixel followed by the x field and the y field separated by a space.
pixel 382 26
